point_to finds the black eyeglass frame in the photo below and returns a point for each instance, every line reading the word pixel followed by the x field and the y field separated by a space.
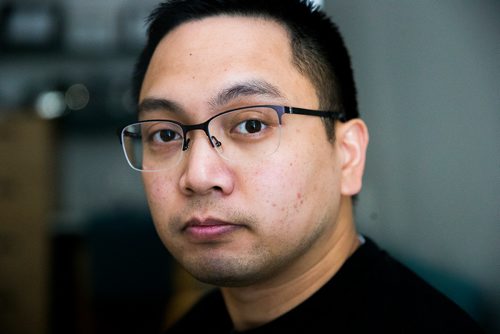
pixel 280 110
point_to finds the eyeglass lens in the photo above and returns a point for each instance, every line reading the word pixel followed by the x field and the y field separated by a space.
pixel 239 135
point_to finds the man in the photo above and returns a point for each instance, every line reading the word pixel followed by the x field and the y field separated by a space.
pixel 251 150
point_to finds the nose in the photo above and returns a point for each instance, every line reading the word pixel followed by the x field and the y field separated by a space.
pixel 204 171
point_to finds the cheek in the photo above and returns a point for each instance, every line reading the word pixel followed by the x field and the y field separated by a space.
pixel 300 187
pixel 279 186
pixel 158 191
pixel 161 200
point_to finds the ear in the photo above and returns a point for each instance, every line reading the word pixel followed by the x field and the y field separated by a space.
pixel 352 140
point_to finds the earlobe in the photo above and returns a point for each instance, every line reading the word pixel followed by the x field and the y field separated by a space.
pixel 352 138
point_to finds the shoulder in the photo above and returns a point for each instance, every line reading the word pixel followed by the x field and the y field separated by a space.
pixel 385 293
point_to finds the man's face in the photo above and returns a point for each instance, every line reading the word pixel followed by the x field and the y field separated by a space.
pixel 234 223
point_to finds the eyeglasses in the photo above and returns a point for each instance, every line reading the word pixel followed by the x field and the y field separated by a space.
pixel 243 134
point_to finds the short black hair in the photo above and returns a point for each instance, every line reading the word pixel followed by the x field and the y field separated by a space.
pixel 319 51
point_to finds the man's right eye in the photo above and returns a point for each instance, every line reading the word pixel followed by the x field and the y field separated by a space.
pixel 165 136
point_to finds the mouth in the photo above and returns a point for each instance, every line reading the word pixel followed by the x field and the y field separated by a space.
pixel 205 230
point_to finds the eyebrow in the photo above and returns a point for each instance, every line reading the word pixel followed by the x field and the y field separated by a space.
pixel 153 104
pixel 242 89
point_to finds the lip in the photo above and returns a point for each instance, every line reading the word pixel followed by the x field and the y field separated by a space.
pixel 210 229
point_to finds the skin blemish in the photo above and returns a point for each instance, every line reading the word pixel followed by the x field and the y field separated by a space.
pixel 300 199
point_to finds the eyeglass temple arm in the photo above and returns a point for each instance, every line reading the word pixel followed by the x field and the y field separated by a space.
pixel 329 114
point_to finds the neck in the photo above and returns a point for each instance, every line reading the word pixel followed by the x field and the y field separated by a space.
pixel 258 304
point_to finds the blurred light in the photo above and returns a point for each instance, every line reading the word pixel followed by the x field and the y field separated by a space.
pixel 77 97
pixel 31 25
pixel 50 105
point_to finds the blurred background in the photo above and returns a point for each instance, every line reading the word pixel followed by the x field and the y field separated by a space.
pixel 78 251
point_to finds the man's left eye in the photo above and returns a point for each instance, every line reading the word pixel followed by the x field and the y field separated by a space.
pixel 251 126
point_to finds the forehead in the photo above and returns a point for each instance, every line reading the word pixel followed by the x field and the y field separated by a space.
pixel 225 34
pixel 203 56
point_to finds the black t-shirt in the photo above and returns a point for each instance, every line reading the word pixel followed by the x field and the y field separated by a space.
pixel 372 292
